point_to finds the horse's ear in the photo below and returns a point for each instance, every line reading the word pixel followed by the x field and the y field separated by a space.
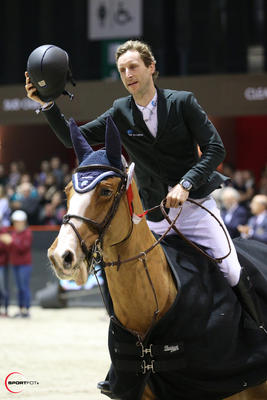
pixel 113 143
pixel 80 145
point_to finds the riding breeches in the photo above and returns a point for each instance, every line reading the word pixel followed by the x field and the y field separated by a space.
pixel 203 229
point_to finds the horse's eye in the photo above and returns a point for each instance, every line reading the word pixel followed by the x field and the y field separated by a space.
pixel 105 192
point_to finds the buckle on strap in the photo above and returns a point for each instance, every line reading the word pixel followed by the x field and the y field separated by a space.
pixel 146 367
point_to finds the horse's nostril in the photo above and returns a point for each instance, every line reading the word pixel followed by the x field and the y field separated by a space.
pixel 67 259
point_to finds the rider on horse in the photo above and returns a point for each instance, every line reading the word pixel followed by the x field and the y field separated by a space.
pixel 161 130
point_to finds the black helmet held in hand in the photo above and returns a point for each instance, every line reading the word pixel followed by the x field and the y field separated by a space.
pixel 49 71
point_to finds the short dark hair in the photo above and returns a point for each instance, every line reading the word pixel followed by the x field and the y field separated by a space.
pixel 143 49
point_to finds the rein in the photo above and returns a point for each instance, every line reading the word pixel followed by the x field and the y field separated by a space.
pixel 217 260
pixel 94 255
pixel 172 226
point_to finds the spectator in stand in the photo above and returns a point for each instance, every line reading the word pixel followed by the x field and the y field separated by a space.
pixel 4 293
pixel 3 176
pixel 232 213
pixel 65 169
pixel 27 199
pixel 14 175
pixel 257 225
pixel 249 183
pixel 25 178
pixel 244 182
pixel 21 260
pixel 41 191
pixel 44 170
pixel 51 186
pixel 55 164
pixel 52 213
pixel 4 207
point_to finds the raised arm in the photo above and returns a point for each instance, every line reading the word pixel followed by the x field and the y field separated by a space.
pixel 94 131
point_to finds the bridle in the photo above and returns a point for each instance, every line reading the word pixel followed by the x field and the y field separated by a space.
pixel 100 227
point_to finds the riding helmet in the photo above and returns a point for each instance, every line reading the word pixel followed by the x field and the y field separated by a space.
pixel 49 70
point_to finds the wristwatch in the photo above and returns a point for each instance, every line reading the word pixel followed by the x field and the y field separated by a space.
pixel 186 184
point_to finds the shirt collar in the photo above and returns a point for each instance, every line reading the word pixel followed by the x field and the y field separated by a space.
pixel 151 105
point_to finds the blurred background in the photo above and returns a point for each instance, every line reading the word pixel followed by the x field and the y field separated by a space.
pixel 214 48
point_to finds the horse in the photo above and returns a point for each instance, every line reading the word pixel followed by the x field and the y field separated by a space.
pixel 104 226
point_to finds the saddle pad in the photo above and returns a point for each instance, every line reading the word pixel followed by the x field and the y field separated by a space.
pixel 220 356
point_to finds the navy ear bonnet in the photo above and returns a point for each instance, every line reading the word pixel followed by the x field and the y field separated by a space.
pixel 86 180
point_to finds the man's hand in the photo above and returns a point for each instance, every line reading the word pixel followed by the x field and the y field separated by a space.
pixel 32 91
pixel 177 196
pixel 243 229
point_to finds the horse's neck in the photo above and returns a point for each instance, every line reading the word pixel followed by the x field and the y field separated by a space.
pixel 130 288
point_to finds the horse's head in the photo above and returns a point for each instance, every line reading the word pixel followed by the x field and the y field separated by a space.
pixel 98 207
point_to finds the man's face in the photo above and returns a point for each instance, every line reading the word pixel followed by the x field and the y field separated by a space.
pixel 256 206
pixel 228 201
pixel 136 77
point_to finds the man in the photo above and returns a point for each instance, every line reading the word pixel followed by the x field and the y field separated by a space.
pixel 233 214
pixel 160 129
pixel 257 225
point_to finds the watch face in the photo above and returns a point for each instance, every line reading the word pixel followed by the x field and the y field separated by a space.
pixel 187 185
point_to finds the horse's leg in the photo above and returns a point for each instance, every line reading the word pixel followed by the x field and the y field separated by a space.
pixel 255 393
pixel 148 395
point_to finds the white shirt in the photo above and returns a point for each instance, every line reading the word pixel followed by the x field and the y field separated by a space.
pixel 261 217
pixel 150 115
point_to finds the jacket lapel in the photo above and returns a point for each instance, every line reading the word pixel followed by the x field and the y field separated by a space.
pixel 164 105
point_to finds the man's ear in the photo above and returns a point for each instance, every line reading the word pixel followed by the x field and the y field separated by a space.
pixel 152 67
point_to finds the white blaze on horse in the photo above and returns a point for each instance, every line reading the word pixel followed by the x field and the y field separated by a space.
pixel 146 292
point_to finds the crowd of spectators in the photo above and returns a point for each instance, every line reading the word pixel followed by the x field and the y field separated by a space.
pixel 40 195
pixel 243 204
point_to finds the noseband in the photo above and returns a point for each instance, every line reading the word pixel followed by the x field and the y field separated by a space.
pixel 100 227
